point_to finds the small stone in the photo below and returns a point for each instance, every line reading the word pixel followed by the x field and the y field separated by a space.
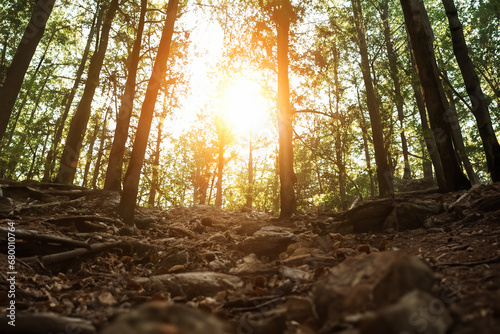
pixel 363 249
pixel 207 221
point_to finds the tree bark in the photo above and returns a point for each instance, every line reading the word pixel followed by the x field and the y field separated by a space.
pixel 155 166
pixel 132 176
pixel 78 127
pixel 249 196
pixel 458 139
pixel 220 168
pixel 384 175
pixel 51 156
pixel 115 165
pixel 391 55
pixel 100 152
pixel 287 176
pixel 420 31
pixel 20 63
pixel 473 87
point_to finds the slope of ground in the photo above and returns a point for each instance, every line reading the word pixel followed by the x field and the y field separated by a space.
pixel 421 262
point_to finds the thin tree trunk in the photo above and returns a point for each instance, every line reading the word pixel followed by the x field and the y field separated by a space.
pixel 100 152
pixel 391 55
pixel 90 154
pixel 473 86
pixel 132 176
pixel 51 156
pixel 20 63
pixel 114 171
pixel 287 176
pixel 384 175
pixel 220 168
pixel 14 159
pixel 71 153
pixel 156 166
pixel 364 133
pixel 420 31
pixel 27 93
pixel 458 140
pixel 426 131
pixel 249 196
pixel 338 137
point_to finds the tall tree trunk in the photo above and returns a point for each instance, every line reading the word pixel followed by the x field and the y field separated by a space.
pixel 220 168
pixel 51 156
pixel 114 171
pixel 473 86
pixel 391 55
pixel 100 152
pixel 14 158
pixel 249 203
pixel 71 153
pixel 90 154
pixel 287 176
pixel 132 176
pixel 338 134
pixel 20 63
pixel 156 166
pixel 364 133
pixel 426 131
pixel 384 175
pixel 420 31
pixel 458 140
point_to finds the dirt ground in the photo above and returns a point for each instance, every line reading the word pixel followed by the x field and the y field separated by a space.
pixel 247 272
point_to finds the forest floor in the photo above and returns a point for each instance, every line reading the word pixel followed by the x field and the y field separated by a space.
pixel 421 262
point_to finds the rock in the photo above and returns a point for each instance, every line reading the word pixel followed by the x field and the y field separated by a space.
pixel 267 242
pixel 207 221
pixel 251 265
pixel 417 312
pixel 192 284
pixel 294 274
pixel 368 281
pixel 161 318
pixel 412 214
pixel 370 216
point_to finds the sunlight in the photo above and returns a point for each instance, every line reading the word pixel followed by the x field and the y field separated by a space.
pixel 244 107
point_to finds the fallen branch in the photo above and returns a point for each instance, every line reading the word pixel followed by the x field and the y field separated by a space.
pixel 72 219
pixel 43 237
pixel 469 264
pixel 70 255
pixel 33 323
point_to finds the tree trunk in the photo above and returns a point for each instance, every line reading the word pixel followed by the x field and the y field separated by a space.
pixel 384 175
pixel 249 203
pixel 114 171
pixel 100 152
pixel 338 135
pixel 364 133
pixel 155 167
pixel 420 31
pixel 20 63
pixel 458 140
pixel 132 176
pixel 287 176
pixel 391 55
pixel 71 153
pixel 473 86
pixel 220 168
pixel 51 156
pixel 90 154
pixel 426 131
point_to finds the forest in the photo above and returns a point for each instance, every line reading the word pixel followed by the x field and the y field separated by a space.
pixel 216 105
pixel 250 159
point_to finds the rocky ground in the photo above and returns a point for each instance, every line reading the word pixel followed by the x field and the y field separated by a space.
pixel 422 262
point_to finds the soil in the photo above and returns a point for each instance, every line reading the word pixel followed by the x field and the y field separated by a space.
pixel 235 265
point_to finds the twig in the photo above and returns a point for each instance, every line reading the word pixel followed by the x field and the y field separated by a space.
pixel 34 235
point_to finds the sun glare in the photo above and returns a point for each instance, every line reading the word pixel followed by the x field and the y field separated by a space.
pixel 244 107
